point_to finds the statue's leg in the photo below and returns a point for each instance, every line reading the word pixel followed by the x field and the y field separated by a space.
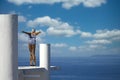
pixel 33 54
pixel 30 50
pixel 31 59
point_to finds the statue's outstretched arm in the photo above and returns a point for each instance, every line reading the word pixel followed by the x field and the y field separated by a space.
pixel 26 32
pixel 38 32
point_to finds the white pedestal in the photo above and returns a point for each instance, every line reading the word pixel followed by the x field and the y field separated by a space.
pixel 45 60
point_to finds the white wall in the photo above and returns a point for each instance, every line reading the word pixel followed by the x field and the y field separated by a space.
pixel 8 47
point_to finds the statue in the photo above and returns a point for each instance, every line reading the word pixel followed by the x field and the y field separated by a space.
pixel 32 45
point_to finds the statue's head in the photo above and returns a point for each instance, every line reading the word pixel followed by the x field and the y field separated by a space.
pixel 33 30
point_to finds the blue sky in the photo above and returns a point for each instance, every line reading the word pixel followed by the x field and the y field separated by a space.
pixel 74 28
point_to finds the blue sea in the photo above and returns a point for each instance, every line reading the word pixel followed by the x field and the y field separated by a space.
pixel 83 68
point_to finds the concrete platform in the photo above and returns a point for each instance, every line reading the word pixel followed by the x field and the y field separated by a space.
pixel 33 72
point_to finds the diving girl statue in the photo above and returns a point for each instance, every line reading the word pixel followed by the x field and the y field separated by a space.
pixel 32 45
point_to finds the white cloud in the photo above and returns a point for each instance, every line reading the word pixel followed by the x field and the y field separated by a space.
pixel 116 38
pixel 21 18
pixel 67 4
pixel 60 45
pixel 102 34
pixel 87 48
pixel 102 41
pixel 86 34
pixel 87 3
pixel 109 34
pixel 55 26
pixel 72 48
pixel 44 21
pixel 92 47
pixel 62 31
pixel 93 3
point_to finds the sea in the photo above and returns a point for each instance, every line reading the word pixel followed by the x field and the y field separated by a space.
pixel 82 68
